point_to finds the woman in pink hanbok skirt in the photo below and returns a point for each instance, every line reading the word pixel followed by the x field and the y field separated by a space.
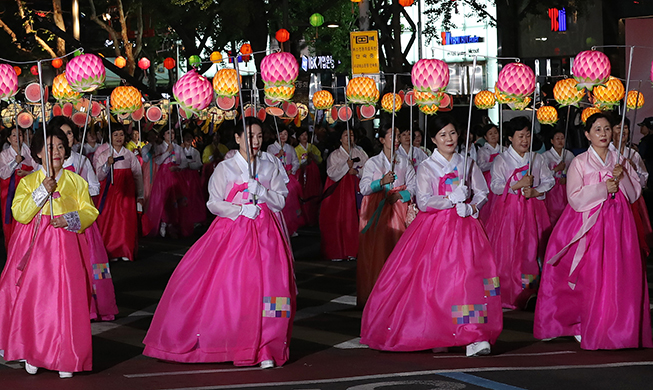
pixel 486 155
pixel 594 281
pixel 439 288
pixel 232 296
pixel 45 287
pixel 519 225
pixel 557 159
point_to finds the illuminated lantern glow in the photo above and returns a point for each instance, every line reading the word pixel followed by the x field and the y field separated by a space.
pixel 57 63
pixel 18 70
pixel 520 104
pixel 125 100
pixel 282 35
pixel 387 102
pixel 566 93
pixel 430 75
pixel 516 81
pixel 356 1
pixel 322 100
pixel 62 91
pixel 634 98
pixel 591 68
pixel 406 3
pixel 609 95
pixel 143 63
pixel 547 115
pixel 362 90
pixel 8 81
pixel 216 57
pixel 194 61
pixel 501 97
pixel 246 49
pixel 193 92
pixel 225 82
pixel 279 72
pixel 34 70
pixel 484 100
pixel 120 62
pixel 316 20
pixel 588 112
pixel 169 63
pixel 85 73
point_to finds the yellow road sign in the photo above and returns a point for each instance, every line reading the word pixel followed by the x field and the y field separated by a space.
pixel 364 52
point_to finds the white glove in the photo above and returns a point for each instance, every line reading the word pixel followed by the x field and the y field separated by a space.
pixel 459 194
pixel 250 211
pixel 256 188
pixel 464 210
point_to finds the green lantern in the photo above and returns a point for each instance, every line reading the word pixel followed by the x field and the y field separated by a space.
pixel 316 20
pixel 194 61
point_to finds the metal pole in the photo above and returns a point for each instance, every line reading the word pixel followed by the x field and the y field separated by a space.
pixel 410 128
pixel 500 128
pixel 564 149
pixel 242 110
pixel 623 117
pixel 469 119
pixel 392 131
pixel 348 132
pixel 45 134
pixel 81 149
pixel 634 122
pixel 530 152
pixel 110 137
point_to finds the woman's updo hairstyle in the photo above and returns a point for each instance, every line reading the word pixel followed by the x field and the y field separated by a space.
pixel 440 122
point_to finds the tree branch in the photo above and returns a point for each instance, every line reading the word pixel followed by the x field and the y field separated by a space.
pixel 106 27
pixel 11 33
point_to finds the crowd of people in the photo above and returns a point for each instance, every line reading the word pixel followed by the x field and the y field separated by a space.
pixel 445 237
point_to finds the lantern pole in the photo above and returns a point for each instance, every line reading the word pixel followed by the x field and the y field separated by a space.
pixel 45 133
pixel 469 119
pixel 530 153
pixel 110 134
pixel 564 146
pixel 623 117
pixel 630 133
pixel 410 127
pixel 276 126
pixel 348 131
pixel 392 142
pixel 500 127
pixel 242 110
pixel 81 150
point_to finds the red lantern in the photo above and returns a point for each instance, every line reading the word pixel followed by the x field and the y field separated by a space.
pixel 246 49
pixel 57 63
pixel 406 3
pixel 120 62
pixel 282 35
pixel 169 63
pixel 18 70
pixel 143 63
pixel 34 70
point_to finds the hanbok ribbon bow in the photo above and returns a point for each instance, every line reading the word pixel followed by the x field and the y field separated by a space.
pixel 447 181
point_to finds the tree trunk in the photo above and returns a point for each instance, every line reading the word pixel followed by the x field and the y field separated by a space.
pixel 129 52
pixel 58 20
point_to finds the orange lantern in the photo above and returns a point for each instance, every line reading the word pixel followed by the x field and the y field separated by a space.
pixel 216 57
pixel 57 63
pixel 406 3
pixel 18 70
pixel 120 62
pixel 356 1
pixel 169 63
pixel 282 35
pixel 246 49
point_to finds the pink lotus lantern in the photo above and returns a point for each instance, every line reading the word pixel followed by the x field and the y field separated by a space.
pixel 85 73
pixel 8 82
pixel 516 81
pixel 193 92
pixel 430 76
pixel 279 72
pixel 591 68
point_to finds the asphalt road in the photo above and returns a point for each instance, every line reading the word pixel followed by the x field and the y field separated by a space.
pixel 325 353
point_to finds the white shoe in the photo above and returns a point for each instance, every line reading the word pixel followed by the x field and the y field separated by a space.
pixel 124 259
pixel 295 234
pixel 64 374
pixel 162 229
pixel 31 369
pixel 478 349
pixel 267 364
pixel 577 337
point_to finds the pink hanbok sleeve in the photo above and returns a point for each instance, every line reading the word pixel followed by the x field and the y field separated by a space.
pixel 642 173
pixel 630 184
pixel 499 175
pixel 218 193
pixel 478 185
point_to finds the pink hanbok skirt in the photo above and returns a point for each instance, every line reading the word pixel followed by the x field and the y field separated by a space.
pixel 166 199
pixel 231 298
pixel 518 230
pixel 309 178
pixel 118 219
pixel 292 211
pixel 609 306
pixel 103 298
pixel 556 201
pixel 45 292
pixel 439 288
pixel 195 212
pixel 486 210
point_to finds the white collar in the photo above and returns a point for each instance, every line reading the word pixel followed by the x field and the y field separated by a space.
pixel 448 165
pixel 607 156
pixel 513 153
